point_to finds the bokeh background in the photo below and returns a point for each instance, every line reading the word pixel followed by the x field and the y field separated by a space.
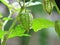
pixel 43 37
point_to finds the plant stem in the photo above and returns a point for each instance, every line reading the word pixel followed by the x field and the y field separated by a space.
pixel 29 3
pixel 13 24
pixel 4 40
pixel 25 40
pixel 24 3
pixel 43 37
pixel 56 7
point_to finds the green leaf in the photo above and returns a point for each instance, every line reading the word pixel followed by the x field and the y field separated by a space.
pixel 41 23
pixel 17 31
pixel 2 33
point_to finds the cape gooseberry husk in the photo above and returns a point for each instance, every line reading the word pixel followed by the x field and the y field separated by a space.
pixel 26 20
pixel 48 6
pixel 57 27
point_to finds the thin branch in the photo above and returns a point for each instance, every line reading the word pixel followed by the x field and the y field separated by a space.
pixel 24 3
pixel 13 24
pixel 20 4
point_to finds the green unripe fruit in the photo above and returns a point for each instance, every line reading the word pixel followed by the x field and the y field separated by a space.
pixel 48 6
pixel 25 20
pixel 57 27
